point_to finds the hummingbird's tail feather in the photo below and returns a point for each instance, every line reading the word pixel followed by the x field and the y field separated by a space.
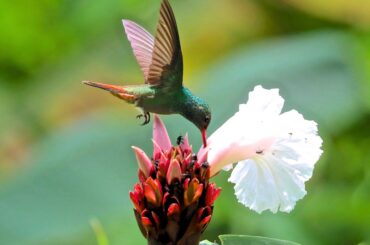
pixel 118 91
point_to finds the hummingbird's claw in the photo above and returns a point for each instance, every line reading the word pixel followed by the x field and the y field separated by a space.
pixel 146 116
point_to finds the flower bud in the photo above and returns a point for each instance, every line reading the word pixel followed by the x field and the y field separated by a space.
pixel 137 197
pixel 153 192
pixel 145 164
pixel 193 190
pixel 204 216
pixel 174 171
pixel 212 193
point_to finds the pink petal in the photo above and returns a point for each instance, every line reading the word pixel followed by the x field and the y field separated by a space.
pixel 157 150
pixel 174 171
pixel 160 135
pixel 145 164
pixel 203 154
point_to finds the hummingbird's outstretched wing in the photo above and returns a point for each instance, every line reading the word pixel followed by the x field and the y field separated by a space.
pixel 142 43
pixel 166 67
pixel 160 59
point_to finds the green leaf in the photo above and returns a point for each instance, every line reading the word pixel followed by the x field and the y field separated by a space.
pixel 247 240
pixel 252 240
pixel 206 242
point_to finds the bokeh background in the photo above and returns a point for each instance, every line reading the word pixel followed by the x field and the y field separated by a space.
pixel 65 156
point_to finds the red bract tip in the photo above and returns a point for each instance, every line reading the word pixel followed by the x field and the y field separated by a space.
pixel 212 193
pixel 204 216
pixel 173 209
pixel 138 189
pixel 137 197
pixel 193 190
pixel 150 218
pixel 146 221
pixel 153 192
pixel 205 221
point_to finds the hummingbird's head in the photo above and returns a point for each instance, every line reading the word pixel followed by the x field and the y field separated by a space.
pixel 198 112
pixel 203 122
pixel 202 117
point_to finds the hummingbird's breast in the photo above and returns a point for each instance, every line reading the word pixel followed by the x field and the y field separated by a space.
pixel 163 102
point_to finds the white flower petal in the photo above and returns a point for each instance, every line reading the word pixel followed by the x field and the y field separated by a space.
pixel 243 134
pixel 228 167
pixel 271 181
pixel 263 101
pixel 276 152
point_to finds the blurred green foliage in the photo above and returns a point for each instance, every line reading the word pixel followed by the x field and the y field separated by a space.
pixel 247 240
pixel 250 240
pixel 65 156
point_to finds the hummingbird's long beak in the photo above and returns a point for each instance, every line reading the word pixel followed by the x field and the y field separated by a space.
pixel 204 137
pixel 111 88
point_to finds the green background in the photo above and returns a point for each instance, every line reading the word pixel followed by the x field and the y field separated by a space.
pixel 65 155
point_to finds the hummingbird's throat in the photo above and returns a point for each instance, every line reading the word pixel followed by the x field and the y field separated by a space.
pixel 204 137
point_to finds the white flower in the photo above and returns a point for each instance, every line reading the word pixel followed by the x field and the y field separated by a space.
pixel 276 153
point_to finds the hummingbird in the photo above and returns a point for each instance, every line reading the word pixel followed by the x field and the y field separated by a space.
pixel 161 62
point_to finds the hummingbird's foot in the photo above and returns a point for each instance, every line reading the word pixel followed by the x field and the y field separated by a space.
pixel 146 116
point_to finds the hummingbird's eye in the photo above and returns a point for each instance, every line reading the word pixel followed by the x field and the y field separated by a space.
pixel 206 119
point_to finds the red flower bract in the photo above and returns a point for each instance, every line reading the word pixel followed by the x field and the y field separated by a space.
pixel 174 199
